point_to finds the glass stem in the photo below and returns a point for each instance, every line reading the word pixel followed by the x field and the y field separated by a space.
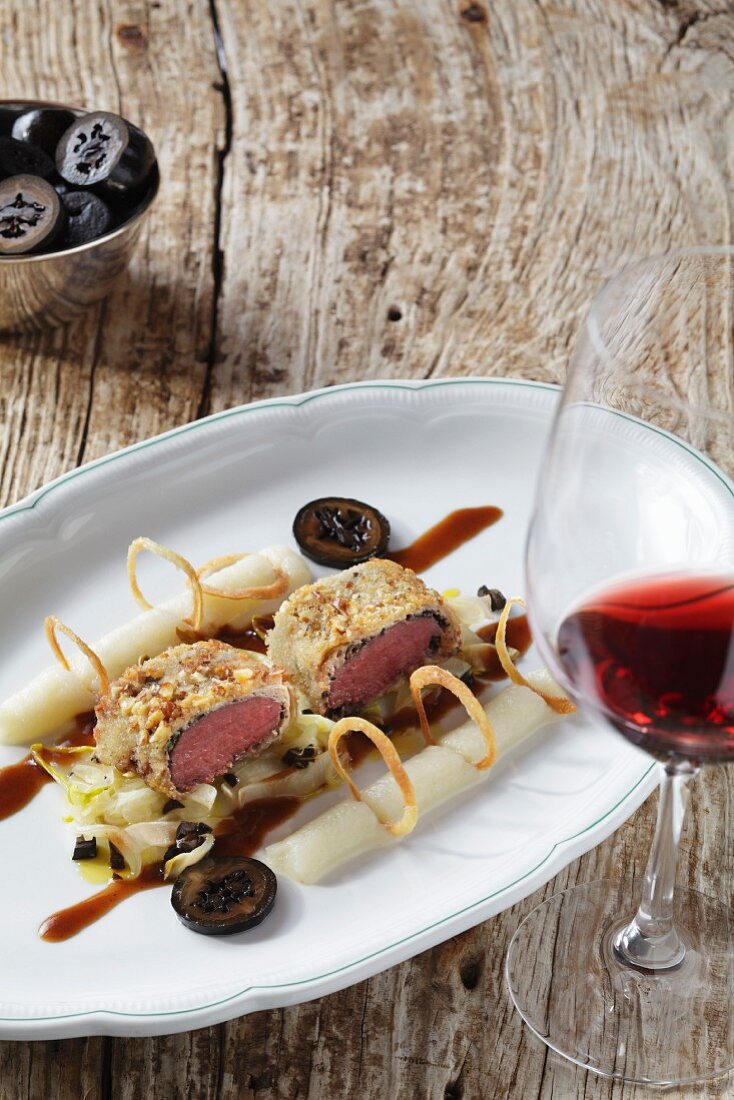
pixel 650 941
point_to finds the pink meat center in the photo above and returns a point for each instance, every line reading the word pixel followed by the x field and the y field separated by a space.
pixel 380 662
pixel 211 745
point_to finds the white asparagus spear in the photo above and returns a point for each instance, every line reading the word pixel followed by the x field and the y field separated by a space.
pixel 55 695
pixel 437 773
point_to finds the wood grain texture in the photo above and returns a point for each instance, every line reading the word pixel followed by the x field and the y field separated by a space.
pixel 368 188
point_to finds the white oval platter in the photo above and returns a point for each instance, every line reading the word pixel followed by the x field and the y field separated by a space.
pixel 234 482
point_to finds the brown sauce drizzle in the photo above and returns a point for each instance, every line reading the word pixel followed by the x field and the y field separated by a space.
pixel 243 832
pixel 358 747
pixel 439 705
pixel 517 633
pixel 250 639
pixel 20 782
pixel 66 923
pixel 445 537
pixel 517 636
pixel 81 735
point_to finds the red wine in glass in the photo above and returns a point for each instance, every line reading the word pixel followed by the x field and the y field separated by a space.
pixel 656 655
pixel 630 552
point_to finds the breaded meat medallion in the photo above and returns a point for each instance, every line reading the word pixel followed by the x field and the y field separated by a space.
pixel 351 637
pixel 186 716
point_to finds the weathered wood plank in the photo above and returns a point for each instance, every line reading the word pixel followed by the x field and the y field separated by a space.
pixel 157 334
pixel 472 173
pixel 71 1069
pixel 136 364
pixel 408 190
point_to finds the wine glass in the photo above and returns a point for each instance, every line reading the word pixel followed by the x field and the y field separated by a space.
pixel 630 582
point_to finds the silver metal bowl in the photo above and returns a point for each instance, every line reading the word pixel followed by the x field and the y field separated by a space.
pixel 43 291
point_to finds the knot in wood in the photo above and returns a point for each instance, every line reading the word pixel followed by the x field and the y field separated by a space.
pixel 474 13
pixel 132 36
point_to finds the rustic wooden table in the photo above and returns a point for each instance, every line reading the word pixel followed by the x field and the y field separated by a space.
pixel 367 189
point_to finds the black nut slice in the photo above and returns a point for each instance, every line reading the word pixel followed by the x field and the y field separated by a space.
pixel 31 216
pixel 104 149
pixel 341 532
pixel 43 127
pixel 85 849
pixel 87 217
pixel 17 158
pixel 223 895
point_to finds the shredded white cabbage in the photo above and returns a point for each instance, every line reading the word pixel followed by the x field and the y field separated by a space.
pixel 173 867
pixel 473 612
pixel 139 844
pixel 109 806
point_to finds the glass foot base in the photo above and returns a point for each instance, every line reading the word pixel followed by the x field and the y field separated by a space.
pixel 668 1027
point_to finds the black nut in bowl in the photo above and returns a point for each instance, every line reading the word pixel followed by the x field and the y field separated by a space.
pixel 43 127
pixel 31 215
pixel 104 150
pixel 87 217
pixel 57 261
pixel 19 158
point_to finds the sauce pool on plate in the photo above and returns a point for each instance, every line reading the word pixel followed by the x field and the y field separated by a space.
pixel 20 782
pixel 66 923
pixel 444 537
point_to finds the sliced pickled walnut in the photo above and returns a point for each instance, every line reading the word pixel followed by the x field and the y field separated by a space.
pixel 84 849
pixel 43 127
pixel 87 217
pixel 222 895
pixel 31 215
pixel 17 158
pixel 340 532
pixel 103 149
